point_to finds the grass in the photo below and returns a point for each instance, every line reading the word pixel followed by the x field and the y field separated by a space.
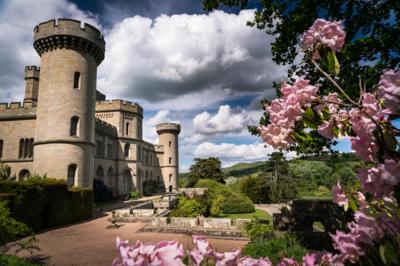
pixel 258 213
pixel 14 261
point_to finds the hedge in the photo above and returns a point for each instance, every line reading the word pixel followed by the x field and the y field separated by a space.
pixel 46 203
pixel 235 202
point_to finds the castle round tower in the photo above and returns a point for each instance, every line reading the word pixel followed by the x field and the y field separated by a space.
pixel 65 125
pixel 168 138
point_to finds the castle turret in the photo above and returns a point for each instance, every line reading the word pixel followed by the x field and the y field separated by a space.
pixel 65 126
pixel 168 138
pixel 32 75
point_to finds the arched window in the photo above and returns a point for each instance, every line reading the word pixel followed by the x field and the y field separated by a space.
pixel 74 126
pixel 77 79
pixel 1 148
pixel 170 177
pixel 100 173
pixel 24 174
pixel 72 173
pixel 127 129
pixel 126 150
pixel 170 160
pixel 169 144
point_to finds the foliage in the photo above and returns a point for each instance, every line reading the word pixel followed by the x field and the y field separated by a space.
pixel 14 261
pixel 101 192
pixel 259 230
pixel 216 206
pixel 151 187
pixel 5 171
pixel 187 208
pixel 235 202
pixel 276 248
pixel 134 195
pixel 205 169
pixel 45 203
pixel 10 229
pixel 252 215
pixel 256 188
pixel 371 36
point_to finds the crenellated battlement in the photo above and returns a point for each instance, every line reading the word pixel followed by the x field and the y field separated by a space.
pixel 118 105
pixel 18 110
pixel 168 128
pixel 32 72
pixel 69 34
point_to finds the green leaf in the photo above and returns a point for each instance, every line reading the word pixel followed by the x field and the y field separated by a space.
pixel 333 63
pixel 352 204
pixel 309 114
pixel 382 253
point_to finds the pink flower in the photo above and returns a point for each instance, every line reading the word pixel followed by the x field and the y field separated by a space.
pixel 325 129
pixel 168 253
pixel 248 261
pixel 371 106
pixel 347 245
pixel 389 90
pixel 202 249
pixel 339 197
pixel 288 262
pixel 227 258
pixel 328 33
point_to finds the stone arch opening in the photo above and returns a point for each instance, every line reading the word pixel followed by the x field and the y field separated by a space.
pixel 126 149
pixel 127 182
pixel 24 174
pixel 318 226
pixel 100 173
pixel 72 175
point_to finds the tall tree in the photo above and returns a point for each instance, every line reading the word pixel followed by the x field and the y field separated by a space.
pixel 372 36
pixel 209 168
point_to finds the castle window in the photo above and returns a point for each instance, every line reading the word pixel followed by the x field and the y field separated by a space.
pixel 127 129
pixel 74 126
pixel 126 150
pixel 77 79
pixel 30 151
pixel 21 148
pixel 110 151
pixel 71 174
pixel 139 153
pixel 1 148
pixel 26 148
pixel 99 148
pixel 170 178
pixel 169 144
pixel 170 160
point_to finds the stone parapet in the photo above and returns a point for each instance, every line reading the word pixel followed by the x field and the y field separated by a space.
pixel 118 105
pixel 70 34
pixel 168 128
pixel 32 72
pixel 18 110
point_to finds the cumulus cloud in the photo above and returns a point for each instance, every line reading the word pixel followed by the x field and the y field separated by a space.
pixel 230 153
pixel 226 120
pixel 17 20
pixel 171 57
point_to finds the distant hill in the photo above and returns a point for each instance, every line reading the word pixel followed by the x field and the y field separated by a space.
pixel 241 169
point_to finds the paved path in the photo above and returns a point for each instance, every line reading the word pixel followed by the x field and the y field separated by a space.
pixel 90 243
pixel 270 208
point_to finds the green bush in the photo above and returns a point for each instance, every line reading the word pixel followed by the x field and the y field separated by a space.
pixel 134 195
pixel 13 261
pixel 45 203
pixel 5 171
pixel 276 248
pixel 235 202
pixel 216 206
pixel 10 229
pixel 259 230
pixel 187 208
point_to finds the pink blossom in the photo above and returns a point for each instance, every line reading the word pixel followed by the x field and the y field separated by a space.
pixel 325 129
pixel 248 261
pixel 380 180
pixel 227 258
pixel 276 136
pixel 339 197
pixel 202 249
pixel 288 262
pixel 389 90
pixel 328 33
pixel 168 253
pixel 371 106
pixel 347 245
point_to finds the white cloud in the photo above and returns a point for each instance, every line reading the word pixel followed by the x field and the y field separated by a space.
pixel 17 20
pixel 226 120
pixel 230 153
pixel 186 61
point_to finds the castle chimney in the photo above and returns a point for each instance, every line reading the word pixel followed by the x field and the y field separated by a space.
pixel 32 74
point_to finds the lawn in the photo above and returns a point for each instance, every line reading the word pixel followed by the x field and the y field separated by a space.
pixel 258 213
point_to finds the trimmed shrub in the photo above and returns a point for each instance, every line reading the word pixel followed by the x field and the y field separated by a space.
pixel 187 208
pixel 235 202
pixel 45 203
pixel 101 192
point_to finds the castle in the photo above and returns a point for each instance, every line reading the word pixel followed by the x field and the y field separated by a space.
pixel 66 129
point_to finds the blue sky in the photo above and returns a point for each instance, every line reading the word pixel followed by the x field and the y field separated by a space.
pixel 205 71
